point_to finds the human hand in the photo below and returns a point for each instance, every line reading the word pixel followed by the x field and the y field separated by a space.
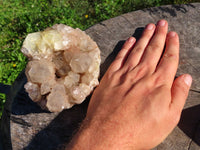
pixel 138 102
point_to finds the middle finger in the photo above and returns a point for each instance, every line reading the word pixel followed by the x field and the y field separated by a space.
pixel 155 48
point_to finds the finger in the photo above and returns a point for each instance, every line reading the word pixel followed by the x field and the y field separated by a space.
pixel 180 90
pixel 169 62
pixel 122 55
pixel 135 55
pixel 155 48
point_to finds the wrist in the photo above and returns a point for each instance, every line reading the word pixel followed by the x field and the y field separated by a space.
pixel 83 140
pixel 94 135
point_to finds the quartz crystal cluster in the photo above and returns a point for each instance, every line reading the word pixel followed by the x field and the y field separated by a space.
pixel 63 67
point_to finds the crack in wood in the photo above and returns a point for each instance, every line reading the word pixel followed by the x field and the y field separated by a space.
pixel 124 19
pixel 196 91
pixel 105 26
pixel 190 143
pixel 193 66
pixel 20 121
pixel 123 16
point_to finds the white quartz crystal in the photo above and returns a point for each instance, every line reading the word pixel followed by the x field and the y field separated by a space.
pixel 63 66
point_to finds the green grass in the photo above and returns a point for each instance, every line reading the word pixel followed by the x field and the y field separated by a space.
pixel 20 17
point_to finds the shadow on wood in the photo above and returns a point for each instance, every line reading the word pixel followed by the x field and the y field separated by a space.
pixel 104 66
pixel 21 104
pixel 190 123
pixel 59 132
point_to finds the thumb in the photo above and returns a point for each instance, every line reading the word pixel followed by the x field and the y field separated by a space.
pixel 179 91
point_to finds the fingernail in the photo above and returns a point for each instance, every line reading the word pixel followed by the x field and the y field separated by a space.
pixel 188 80
pixel 131 39
pixel 172 34
pixel 161 22
pixel 149 27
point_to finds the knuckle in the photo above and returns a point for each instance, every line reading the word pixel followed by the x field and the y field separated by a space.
pixel 138 49
pixel 115 65
pixel 159 80
pixel 122 53
pixel 125 77
pixel 119 57
pixel 111 79
pixel 115 76
pixel 154 47
pixel 130 66
pixel 108 75
pixel 171 56
pixel 141 71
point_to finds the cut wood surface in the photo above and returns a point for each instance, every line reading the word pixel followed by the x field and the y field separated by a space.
pixel 26 126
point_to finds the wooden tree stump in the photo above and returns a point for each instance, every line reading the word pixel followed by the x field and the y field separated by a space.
pixel 26 126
